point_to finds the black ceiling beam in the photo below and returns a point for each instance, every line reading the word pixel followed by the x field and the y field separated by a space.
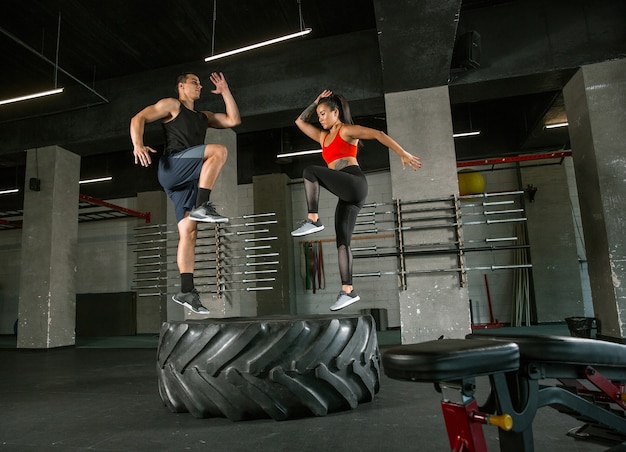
pixel 416 40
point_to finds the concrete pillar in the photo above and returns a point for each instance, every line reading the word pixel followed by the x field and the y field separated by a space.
pixel 416 68
pixel 152 310
pixel 595 101
pixel 225 198
pixel 47 300
pixel 434 304
pixel 272 194
pixel 552 238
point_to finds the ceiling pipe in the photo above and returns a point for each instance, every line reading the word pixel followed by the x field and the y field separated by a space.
pixel 517 158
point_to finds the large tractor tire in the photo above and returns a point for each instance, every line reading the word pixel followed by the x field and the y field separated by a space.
pixel 277 367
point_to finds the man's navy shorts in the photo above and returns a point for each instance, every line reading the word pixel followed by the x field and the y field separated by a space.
pixel 179 173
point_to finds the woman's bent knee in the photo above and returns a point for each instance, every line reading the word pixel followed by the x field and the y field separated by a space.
pixel 309 173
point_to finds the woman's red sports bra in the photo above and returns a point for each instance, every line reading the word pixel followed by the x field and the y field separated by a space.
pixel 338 148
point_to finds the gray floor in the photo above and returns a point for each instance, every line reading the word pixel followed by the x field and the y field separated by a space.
pixel 106 399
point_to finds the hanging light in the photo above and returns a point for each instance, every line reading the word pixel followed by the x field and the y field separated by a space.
pixel 260 44
pixel 97 179
pixel 303 31
pixel 471 132
pixel 56 90
pixel 294 154
pixel 32 96
pixel 466 134
pixel 9 191
pixel 556 125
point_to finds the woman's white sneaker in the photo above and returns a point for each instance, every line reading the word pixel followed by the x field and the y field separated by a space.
pixel 308 227
pixel 344 300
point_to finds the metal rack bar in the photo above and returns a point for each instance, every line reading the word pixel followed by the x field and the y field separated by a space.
pixel 99 202
pixel 445 251
pixel 459 235
pixel 511 220
pixel 258 223
pixel 218 249
pixel 493 194
pixel 258 215
pixel 416 215
pixel 432 244
pixel 494 212
pixel 443 270
pixel 262 247
pixel 400 245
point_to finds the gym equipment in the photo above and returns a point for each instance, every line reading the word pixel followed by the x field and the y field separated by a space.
pixel 453 365
pixel 225 256
pixel 582 326
pixel 493 322
pixel 471 182
pixel 583 378
pixel 445 217
pixel 281 367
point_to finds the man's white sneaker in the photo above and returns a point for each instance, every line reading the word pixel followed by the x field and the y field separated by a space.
pixel 207 213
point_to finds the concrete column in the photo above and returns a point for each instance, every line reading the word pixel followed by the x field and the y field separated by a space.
pixel 272 194
pixel 152 311
pixel 434 304
pixel 416 68
pixel 225 198
pixel 552 238
pixel 595 101
pixel 47 300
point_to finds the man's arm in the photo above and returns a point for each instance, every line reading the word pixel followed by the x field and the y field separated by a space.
pixel 162 109
pixel 232 117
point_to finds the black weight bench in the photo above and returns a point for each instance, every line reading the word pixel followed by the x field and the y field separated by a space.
pixel 590 377
pixel 453 365
pixel 589 384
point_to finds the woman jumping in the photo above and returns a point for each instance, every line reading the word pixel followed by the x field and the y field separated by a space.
pixel 342 176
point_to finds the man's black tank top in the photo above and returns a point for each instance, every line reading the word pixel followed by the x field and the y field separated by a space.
pixel 188 129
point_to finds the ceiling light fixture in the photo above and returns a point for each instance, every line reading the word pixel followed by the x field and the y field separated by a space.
pixel 471 132
pixel 260 44
pixel 97 179
pixel 50 92
pixel 466 134
pixel 303 31
pixel 32 96
pixel 9 191
pixel 294 154
pixel 55 63
pixel 556 125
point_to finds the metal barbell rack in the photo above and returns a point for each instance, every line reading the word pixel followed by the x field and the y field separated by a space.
pixel 229 257
pixel 444 214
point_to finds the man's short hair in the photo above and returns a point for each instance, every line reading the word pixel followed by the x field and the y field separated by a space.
pixel 182 78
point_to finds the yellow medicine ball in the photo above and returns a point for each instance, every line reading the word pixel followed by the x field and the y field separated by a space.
pixel 471 182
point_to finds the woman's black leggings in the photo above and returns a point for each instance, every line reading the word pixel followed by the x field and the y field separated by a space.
pixel 350 186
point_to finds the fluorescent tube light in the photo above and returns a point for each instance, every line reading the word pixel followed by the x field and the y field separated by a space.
pixel 294 154
pixel 465 134
pixel 260 44
pixel 31 96
pixel 8 191
pixel 98 179
pixel 556 125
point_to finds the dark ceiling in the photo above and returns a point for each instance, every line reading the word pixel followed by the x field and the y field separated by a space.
pixel 81 42
pixel 112 38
